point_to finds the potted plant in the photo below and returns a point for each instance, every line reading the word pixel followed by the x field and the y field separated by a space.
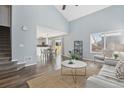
pixel 73 56
pixel 115 56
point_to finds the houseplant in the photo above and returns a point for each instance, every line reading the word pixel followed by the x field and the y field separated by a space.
pixel 73 56
pixel 115 56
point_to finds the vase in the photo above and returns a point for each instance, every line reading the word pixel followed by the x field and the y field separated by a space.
pixel 72 60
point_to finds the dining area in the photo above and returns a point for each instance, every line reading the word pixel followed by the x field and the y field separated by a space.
pixel 49 52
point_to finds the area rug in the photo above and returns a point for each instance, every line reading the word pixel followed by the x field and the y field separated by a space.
pixel 54 79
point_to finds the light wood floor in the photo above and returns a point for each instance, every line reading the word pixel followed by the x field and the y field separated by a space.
pixel 34 71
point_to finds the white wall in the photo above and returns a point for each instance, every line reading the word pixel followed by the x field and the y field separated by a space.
pixel 109 19
pixel 24 42
pixel 4 15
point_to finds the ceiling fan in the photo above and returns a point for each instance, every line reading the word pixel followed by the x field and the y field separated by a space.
pixel 64 7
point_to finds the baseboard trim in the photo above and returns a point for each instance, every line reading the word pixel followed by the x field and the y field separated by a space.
pixel 87 59
pixel 30 64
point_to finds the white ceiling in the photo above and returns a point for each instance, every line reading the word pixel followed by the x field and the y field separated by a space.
pixel 73 12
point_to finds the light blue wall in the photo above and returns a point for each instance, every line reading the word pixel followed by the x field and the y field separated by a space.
pixel 110 18
pixel 31 17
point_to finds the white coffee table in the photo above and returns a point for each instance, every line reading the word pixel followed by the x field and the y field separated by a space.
pixel 76 65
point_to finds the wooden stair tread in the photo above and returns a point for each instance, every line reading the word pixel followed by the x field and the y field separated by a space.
pixel 7 62
pixel 4 38
pixel 5 53
pixel 4 35
pixel 7 72
pixel 12 84
pixel 19 68
pixel 4 45
pixel 7 80
pixel 8 67
pixel 10 74
pixel 4 48
pixel 5 58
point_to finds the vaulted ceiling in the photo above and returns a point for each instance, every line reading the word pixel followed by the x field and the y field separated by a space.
pixel 73 12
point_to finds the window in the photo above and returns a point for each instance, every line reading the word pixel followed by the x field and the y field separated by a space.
pixel 96 42
pixel 105 40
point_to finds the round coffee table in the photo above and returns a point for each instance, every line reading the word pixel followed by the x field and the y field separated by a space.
pixel 76 64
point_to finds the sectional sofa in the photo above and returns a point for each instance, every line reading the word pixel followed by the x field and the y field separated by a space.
pixel 106 78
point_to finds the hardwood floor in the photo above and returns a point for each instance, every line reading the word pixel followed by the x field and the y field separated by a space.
pixel 31 72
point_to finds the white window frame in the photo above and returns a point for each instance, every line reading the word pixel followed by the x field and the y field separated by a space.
pixel 91 45
pixel 118 31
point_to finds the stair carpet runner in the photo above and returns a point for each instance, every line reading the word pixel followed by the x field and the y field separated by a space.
pixel 8 69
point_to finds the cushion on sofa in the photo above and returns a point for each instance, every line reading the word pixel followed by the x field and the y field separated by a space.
pixel 106 78
pixel 110 75
pixel 120 70
pixel 111 62
pixel 108 68
pixel 102 82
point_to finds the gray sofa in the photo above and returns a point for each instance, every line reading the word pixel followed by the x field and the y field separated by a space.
pixel 106 77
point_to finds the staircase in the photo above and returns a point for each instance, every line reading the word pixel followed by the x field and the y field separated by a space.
pixel 5 43
pixel 8 69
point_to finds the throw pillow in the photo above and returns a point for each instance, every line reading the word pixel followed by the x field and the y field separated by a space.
pixel 120 70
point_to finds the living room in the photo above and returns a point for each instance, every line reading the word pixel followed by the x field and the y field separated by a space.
pixel 96 28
